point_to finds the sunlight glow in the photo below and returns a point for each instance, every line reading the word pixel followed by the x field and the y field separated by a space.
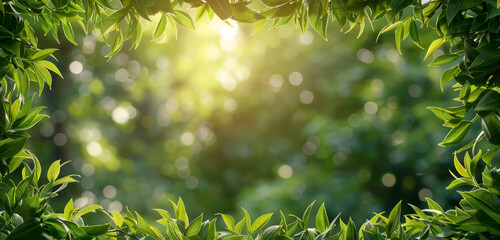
pixel 120 115
pixel 94 149
pixel 229 33
pixel 187 138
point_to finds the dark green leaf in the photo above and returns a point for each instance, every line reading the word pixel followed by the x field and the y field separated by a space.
pixel 316 17
pixel 394 218
pixel 488 156
pixel 10 147
pixel 452 9
pixel 443 59
pixel 95 230
pixel 221 7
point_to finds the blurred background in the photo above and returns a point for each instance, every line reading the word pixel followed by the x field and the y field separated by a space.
pixel 267 122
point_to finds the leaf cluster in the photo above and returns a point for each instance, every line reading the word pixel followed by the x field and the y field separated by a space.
pixel 471 28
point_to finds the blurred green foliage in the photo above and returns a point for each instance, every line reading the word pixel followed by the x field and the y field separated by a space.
pixel 272 121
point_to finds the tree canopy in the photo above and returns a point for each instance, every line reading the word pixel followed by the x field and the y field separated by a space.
pixel 468 30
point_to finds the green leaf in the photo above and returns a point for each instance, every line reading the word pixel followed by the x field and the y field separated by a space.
pixel 144 227
pixel 194 226
pixel 221 7
pixel 484 200
pixel 258 26
pixel 350 232
pixel 239 226
pixel 117 45
pixel 248 221
pixel 201 12
pixel 117 218
pixel 322 219
pixel 183 19
pixel 305 217
pixel 160 28
pixel 68 32
pixel 394 218
pixel 57 228
pixel 96 230
pixel 180 211
pixel 434 206
pixel 66 179
pixel 228 220
pixel 29 230
pixel 443 59
pixel 448 75
pixel 236 237
pixel 434 46
pixel 447 114
pixel 212 231
pixel 68 209
pixel 452 9
pixel 488 156
pixel 50 66
pixel 43 54
pixel 399 37
pixel 284 10
pixel 317 19
pixel 118 15
pixel 138 35
pixel 10 147
pixel 456 134
pixel 43 74
pixel 414 34
pixel 53 171
pixel 485 59
pixel 141 9
pixel 388 28
pixel 163 213
pixel 459 182
pixel 489 102
pixel 460 169
pixel 260 222
pixel 86 210
pixel 16 161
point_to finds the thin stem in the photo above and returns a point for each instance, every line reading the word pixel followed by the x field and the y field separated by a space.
pixel 479 137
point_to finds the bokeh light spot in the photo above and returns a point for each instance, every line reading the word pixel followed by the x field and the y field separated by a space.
pixel 94 149
pixel 120 115
pixel 389 180
pixel 187 138
pixel 306 97
pixel 285 171
pixel 295 78
pixel 75 67
pixel 424 193
pixel 370 108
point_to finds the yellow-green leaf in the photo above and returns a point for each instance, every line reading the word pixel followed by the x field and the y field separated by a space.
pixel 460 169
pixel 160 29
pixel 53 171
pixel 434 46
